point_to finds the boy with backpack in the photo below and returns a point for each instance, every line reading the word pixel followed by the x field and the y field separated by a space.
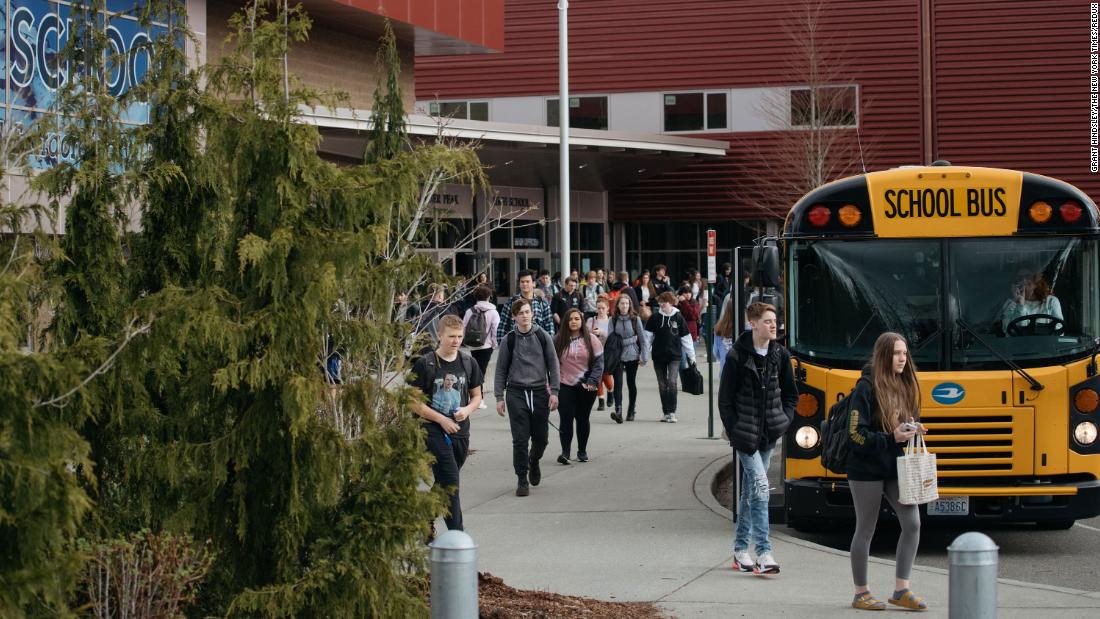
pixel 480 328
pixel 756 398
pixel 452 383
pixel 527 379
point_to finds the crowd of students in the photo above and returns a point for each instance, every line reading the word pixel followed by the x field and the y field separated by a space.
pixel 586 343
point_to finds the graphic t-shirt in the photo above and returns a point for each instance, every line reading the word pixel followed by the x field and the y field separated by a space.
pixel 447 384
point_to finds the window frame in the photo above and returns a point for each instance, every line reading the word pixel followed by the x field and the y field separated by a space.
pixel 546 109
pixel 706 111
pixel 813 106
pixel 437 104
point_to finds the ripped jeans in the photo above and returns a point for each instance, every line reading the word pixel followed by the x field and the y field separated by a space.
pixel 752 508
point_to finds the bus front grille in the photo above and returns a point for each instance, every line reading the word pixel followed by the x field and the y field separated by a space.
pixel 970 442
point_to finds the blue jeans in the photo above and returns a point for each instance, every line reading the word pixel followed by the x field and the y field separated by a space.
pixel 752 514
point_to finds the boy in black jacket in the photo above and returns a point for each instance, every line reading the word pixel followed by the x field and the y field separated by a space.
pixel 756 398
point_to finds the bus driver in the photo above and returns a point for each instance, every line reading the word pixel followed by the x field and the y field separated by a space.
pixel 1031 295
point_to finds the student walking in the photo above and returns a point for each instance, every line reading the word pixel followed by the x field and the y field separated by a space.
pixel 671 342
pixel 527 377
pixel 485 319
pixel 451 380
pixel 599 325
pixel 580 354
pixel 540 307
pixel 885 414
pixel 689 310
pixel 591 291
pixel 647 295
pixel 724 330
pixel 626 323
pixel 756 398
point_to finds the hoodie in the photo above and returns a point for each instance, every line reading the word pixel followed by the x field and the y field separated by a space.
pixel 671 338
pixel 492 320
pixel 873 453
pixel 532 365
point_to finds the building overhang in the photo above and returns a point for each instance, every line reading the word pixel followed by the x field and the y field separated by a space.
pixel 528 155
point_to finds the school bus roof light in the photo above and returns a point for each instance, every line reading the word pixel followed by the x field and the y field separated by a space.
pixel 807 405
pixel 1086 401
pixel 1040 212
pixel 819 215
pixel 1070 211
pixel 849 215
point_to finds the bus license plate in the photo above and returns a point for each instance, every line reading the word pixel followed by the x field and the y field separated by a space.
pixel 950 506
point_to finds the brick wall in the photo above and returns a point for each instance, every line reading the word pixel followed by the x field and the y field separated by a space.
pixel 330 59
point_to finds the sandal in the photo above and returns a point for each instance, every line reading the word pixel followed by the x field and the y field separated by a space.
pixel 866 601
pixel 907 599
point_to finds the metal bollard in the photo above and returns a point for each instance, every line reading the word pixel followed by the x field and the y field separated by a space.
pixel 972 565
pixel 454 576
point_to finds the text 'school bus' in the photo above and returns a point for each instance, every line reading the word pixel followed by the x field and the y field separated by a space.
pixel 993 276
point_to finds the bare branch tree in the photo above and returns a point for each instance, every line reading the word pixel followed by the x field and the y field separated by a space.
pixel 813 111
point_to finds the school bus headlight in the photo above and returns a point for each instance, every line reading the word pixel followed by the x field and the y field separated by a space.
pixel 1040 212
pixel 807 437
pixel 807 405
pixel 1086 401
pixel 819 215
pixel 849 215
pixel 1070 211
pixel 1084 433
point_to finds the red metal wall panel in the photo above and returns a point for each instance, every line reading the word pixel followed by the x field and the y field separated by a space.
pixel 477 21
pixel 1012 86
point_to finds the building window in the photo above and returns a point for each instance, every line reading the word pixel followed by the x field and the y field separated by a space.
pixel 466 110
pixel 523 234
pixel 454 232
pixel 824 106
pixel 695 111
pixel 584 113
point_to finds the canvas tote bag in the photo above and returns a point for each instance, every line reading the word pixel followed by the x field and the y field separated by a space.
pixel 917 474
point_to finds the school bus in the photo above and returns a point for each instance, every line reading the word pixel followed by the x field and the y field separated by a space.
pixel 993 276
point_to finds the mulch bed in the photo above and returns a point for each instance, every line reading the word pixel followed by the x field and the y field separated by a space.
pixel 499 601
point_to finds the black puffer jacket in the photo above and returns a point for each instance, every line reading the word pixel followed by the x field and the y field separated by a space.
pixel 756 413
pixel 874 452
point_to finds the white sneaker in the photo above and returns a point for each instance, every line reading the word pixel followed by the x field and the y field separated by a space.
pixel 742 561
pixel 672 418
pixel 482 406
pixel 765 564
pixel 665 418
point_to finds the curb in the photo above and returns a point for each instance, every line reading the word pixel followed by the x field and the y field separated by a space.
pixel 702 489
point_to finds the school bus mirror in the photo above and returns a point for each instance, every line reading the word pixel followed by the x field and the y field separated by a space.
pixel 767 272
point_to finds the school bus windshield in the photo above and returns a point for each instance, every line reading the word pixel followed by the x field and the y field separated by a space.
pixel 1029 300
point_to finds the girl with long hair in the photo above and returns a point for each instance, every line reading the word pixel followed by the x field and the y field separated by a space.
pixel 580 354
pixel 885 414
pixel 599 325
pixel 724 332
pixel 646 293
pixel 626 322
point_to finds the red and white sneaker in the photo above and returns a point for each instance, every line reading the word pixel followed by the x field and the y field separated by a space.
pixel 742 561
pixel 765 564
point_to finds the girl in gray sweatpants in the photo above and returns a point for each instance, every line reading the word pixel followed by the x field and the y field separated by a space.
pixel 885 410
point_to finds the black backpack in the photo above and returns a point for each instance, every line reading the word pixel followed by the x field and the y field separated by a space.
pixel 834 435
pixel 476 329
pixel 612 353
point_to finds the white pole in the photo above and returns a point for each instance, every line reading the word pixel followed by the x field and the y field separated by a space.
pixel 563 124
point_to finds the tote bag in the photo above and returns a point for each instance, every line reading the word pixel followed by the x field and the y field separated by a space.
pixel 917 474
pixel 691 381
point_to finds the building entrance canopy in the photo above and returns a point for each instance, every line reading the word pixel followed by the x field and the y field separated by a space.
pixel 527 155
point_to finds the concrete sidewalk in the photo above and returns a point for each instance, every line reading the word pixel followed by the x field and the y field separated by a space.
pixel 638 523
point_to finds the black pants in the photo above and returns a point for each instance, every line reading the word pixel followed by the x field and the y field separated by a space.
pixel 448 461
pixel 529 418
pixel 668 373
pixel 482 357
pixel 631 370
pixel 575 405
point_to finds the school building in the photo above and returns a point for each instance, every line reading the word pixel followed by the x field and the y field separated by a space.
pixel 795 90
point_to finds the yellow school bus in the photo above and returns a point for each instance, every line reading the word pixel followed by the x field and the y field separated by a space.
pixel 994 278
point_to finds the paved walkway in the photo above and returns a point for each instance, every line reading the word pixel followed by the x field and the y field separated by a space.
pixel 638 523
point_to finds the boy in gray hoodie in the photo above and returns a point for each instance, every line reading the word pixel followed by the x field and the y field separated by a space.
pixel 527 368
